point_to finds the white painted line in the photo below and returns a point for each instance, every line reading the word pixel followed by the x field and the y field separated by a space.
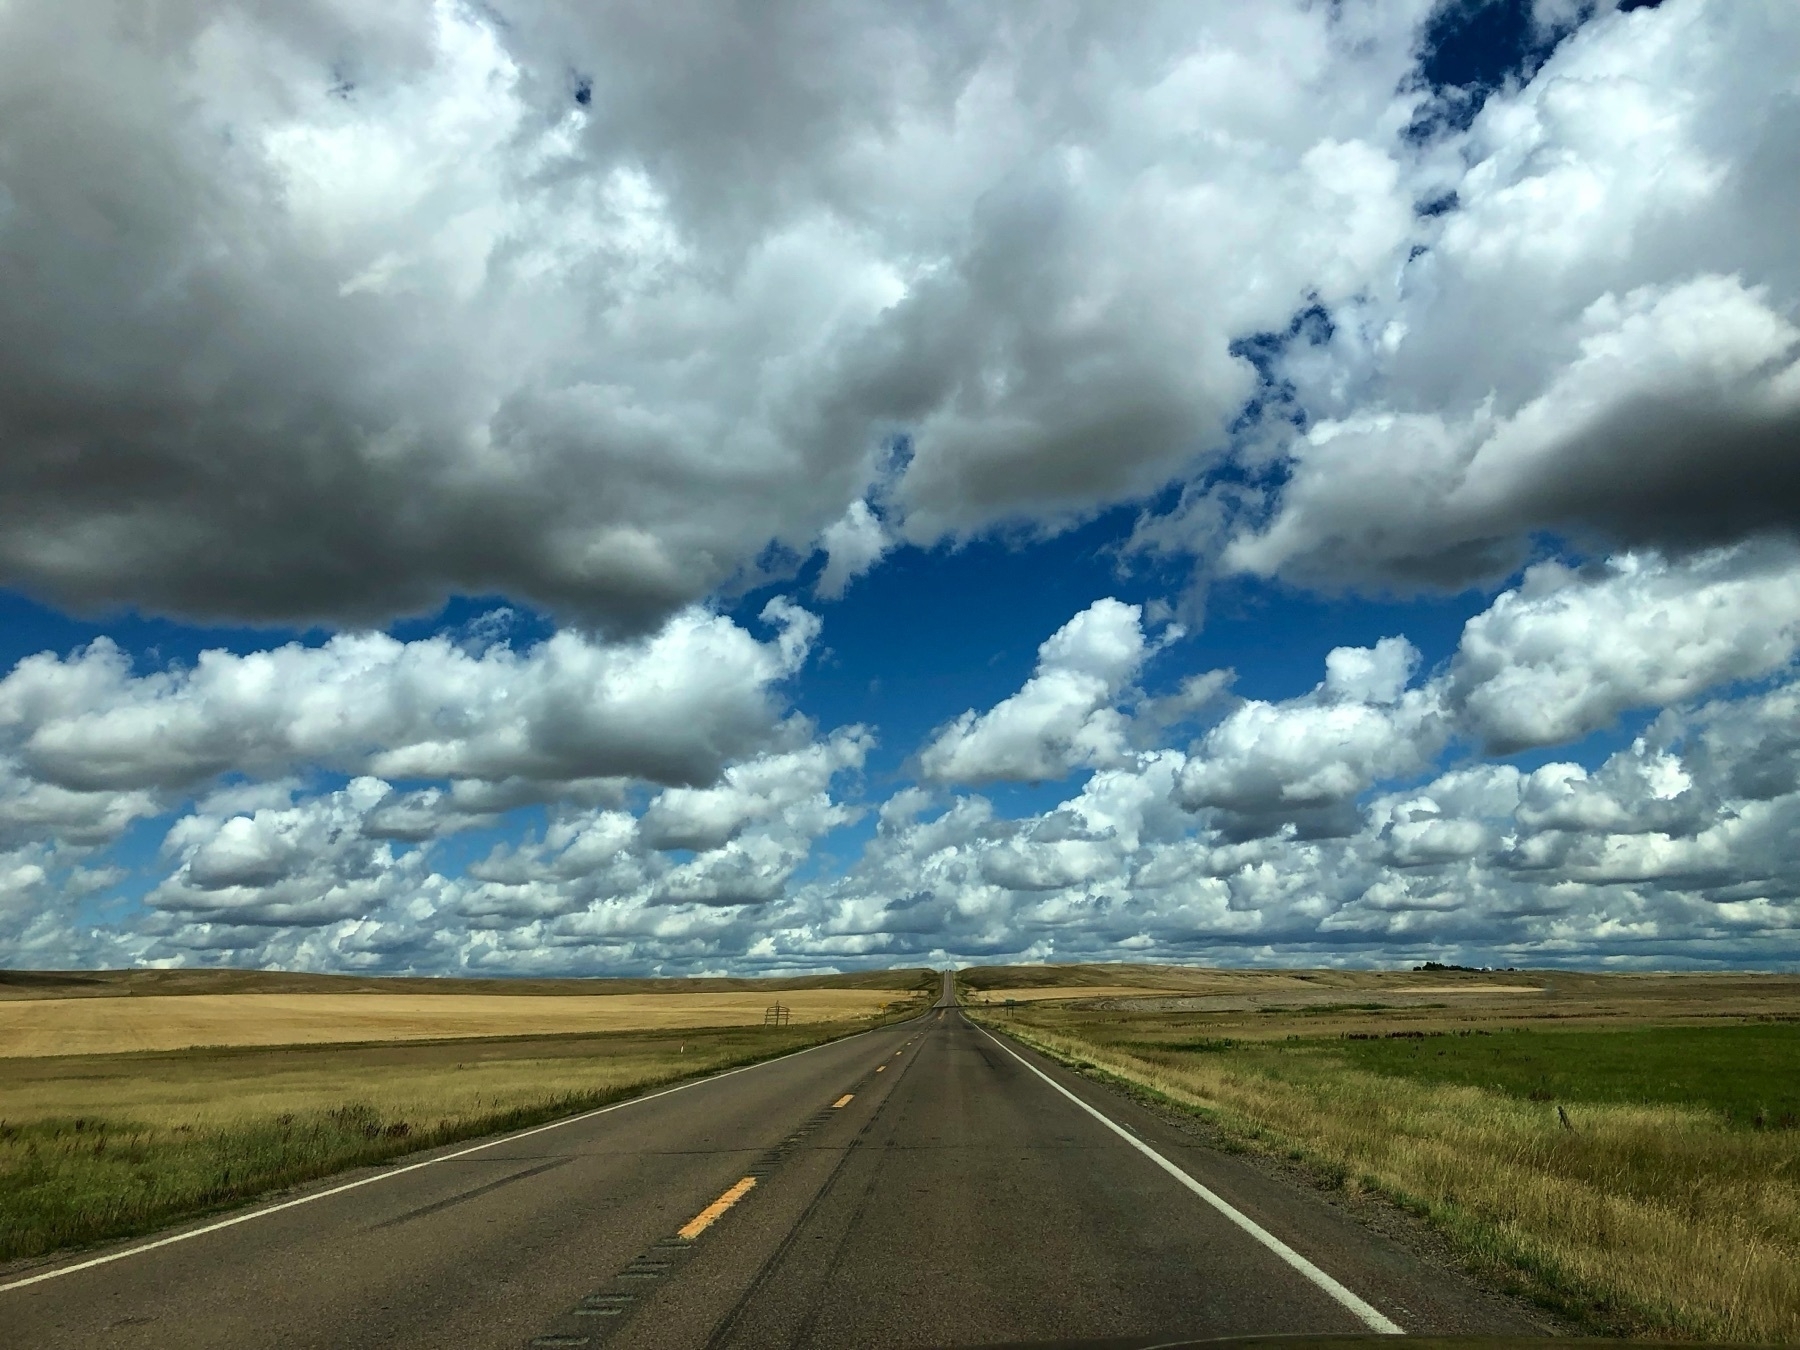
pixel 236 1219
pixel 1366 1313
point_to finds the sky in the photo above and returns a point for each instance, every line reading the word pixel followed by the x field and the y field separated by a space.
pixel 545 488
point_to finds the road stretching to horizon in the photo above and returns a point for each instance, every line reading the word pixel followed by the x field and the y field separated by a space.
pixel 925 1184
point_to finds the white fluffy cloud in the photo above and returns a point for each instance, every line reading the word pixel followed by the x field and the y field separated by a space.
pixel 1564 654
pixel 1654 857
pixel 267 873
pixel 746 836
pixel 1279 828
pixel 437 738
pixel 1594 337
pixel 41 886
pixel 1306 760
pixel 302 865
pixel 758 789
pixel 32 811
pixel 1062 718
pixel 673 707
pixel 852 546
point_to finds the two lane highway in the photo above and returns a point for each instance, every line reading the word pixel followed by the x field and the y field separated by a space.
pixel 924 1184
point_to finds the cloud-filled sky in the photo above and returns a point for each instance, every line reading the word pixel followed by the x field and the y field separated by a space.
pixel 534 487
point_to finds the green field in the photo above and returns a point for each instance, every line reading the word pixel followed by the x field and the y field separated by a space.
pixel 1749 1074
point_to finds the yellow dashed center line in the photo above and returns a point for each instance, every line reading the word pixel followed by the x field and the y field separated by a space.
pixel 843 1101
pixel 881 1068
pixel 710 1215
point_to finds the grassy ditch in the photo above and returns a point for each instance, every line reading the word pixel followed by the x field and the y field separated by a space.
pixel 1637 1178
pixel 96 1147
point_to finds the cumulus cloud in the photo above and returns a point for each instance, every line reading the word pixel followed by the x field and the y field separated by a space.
pixel 1565 654
pixel 758 789
pixel 1196 695
pixel 1062 718
pixel 673 707
pixel 326 314
pixel 1304 761
pixel 745 836
pixel 1677 401
pixel 1657 854
pixel 852 546
pixel 1653 857
pixel 41 886
pixel 268 872
pixel 301 865
pixel 32 811
pixel 1591 333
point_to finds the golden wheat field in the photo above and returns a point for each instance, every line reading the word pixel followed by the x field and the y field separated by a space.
pixel 80 1026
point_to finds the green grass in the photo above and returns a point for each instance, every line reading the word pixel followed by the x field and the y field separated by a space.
pixel 1749 1074
pixel 69 1182
pixel 1206 1045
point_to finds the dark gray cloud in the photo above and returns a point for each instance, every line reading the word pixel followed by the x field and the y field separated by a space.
pixel 313 314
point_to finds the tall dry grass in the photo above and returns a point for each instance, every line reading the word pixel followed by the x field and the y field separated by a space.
pixel 100 1147
pixel 1639 1219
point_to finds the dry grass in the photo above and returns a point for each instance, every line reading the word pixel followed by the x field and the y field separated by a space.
pixel 75 1026
pixel 94 1147
pixel 1063 993
pixel 103 1145
pixel 1139 998
pixel 1214 980
pixel 1640 1217
pixel 1274 1004
pixel 416 1082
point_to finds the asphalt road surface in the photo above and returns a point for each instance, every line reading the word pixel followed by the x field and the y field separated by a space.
pixel 921 1185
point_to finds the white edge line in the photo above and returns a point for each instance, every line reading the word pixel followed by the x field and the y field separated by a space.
pixel 1366 1313
pixel 388 1175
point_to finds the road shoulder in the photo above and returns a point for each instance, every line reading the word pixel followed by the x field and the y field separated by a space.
pixel 1392 1257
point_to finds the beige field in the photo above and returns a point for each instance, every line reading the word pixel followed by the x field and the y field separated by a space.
pixel 1043 993
pixel 86 1026
pixel 1144 981
pixel 418 1081
pixel 1136 998
pixel 1255 1005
